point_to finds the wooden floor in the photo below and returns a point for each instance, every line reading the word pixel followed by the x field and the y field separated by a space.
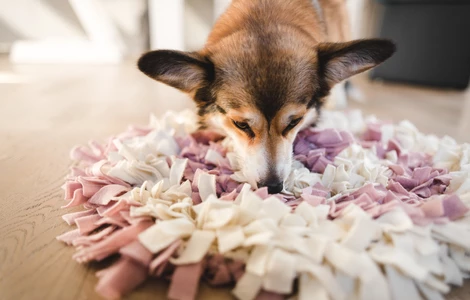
pixel 45 110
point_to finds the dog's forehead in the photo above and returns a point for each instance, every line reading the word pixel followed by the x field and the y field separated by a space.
pixel 264 72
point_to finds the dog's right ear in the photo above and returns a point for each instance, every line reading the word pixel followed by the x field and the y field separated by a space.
pixel 339 61
pixel 186 71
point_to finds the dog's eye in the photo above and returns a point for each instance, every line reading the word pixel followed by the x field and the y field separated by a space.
pixel 294 123
pixel 291 125
pixel 241 125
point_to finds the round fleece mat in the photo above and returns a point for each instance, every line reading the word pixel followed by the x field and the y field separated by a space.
pixel 372 210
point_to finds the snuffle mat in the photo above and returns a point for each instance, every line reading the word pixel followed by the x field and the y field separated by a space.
pixel 372 210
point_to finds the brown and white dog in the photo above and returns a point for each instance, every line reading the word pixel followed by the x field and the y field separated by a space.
pixel 264 74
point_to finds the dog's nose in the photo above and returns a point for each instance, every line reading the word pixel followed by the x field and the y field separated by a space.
pixel 274 188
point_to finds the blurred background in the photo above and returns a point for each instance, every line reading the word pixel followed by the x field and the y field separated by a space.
pixel 89 48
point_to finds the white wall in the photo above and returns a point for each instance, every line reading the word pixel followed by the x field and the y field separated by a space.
pixel 44 19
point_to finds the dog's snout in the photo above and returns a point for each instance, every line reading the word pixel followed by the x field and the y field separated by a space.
pixel 274 187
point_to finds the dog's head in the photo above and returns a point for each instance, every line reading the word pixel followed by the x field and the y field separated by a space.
pixel 260 92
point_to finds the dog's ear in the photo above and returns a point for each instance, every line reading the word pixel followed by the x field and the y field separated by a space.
pixel 186 71
pixel 339 61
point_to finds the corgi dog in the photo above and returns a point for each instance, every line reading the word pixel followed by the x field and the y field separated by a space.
pixel 265 73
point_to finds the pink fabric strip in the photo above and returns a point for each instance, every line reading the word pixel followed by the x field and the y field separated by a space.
pixel 137 252
pixel 88 240
pixel 88 223
pixel 77 199
pixel 185 281
pixel 71 217
pixel 164 256
pixel 121 278
pixel 112 244
pixel 69 236
pixel 104 195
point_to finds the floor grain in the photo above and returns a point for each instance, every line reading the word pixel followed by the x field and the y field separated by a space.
pixel 46 110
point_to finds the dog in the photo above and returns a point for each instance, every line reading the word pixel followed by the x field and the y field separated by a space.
pixel 265 73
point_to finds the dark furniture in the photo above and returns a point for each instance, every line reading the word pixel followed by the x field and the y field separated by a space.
pixel 433 42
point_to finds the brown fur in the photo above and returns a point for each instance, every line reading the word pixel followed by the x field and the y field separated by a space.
pixel 266 63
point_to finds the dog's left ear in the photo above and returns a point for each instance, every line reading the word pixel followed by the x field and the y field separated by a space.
pixel 186 71
pixel 339 61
